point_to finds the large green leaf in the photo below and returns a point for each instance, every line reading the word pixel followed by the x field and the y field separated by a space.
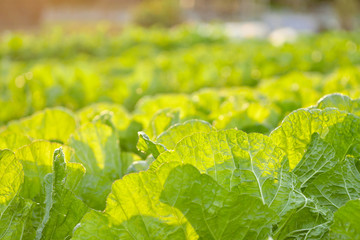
pixel 328 182
pixel 15 211
pixel 249 163
pixel 336 186
pixel 309 222
pixel 161 121
pixel 145 206
pixel 225 154
pixel 169 138
pixel 36 159
pixel 37 162
pixel 341 102
pixel 15 221
pixel 97 147
pixel 312 220
pixel 62 209
pixel 134 211
pixel 319 158
pixel 214 212
pixel 175 133
pixel 13 140
pixel 346 221
pixel 11 178
pixel 250 117
pixel 95 225
pixel 120 117
pixel 51 124
pixel 338 128
pixel 147 107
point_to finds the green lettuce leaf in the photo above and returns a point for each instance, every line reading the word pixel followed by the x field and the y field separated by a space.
pixel 253 117
pixel 346 221
pixel 13 140
pixel 36 159
pixel 175 133
pixel 147 146
pixel 318 158
pixel 97 148
pixel 119 115
pixel 63 210
pixel 148 204
pixel 51 124
pixel 249 163
pixel 168 139
pixel 15 211
pixel 336 186
pixel 341 102
pixel 214 212
pixel 11 178
pixel 147 107
pixel 161 121
pixel 15 221
pixel 95 225
pixel 295 132
pixel 37 162
pixel 134 211
pixel 309 222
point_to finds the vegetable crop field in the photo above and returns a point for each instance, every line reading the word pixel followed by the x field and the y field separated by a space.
pixel 179 134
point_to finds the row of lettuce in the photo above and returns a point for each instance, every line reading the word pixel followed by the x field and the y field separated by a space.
pixel 268 102
pixel 68 175
pixel 48 69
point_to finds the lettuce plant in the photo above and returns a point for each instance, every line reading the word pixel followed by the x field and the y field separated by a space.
pixel 301 181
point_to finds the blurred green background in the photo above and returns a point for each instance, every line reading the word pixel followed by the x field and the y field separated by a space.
pixel 219 61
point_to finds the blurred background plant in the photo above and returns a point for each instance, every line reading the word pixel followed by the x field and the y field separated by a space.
pixel 167 13
pixel 164 13
pixel 86 51
pixel 348 11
